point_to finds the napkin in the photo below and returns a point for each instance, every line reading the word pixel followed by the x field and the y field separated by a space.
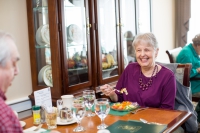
pixel 41 130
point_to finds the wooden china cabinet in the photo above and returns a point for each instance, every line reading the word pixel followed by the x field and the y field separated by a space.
pixel 82 44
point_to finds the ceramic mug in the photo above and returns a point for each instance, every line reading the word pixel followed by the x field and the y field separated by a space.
pixel 67 100
pixel 66 115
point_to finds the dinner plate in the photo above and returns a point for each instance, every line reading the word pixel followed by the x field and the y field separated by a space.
pixel 45 76
pixel 124 110
pixel 65 123
pixel 74 34
pixel 42 35
pixel 22 123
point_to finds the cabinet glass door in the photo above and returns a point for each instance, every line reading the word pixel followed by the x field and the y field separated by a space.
pixel 77 31
pixel 144 16
pixel 107 37
pixel 42 42
pixel 127 18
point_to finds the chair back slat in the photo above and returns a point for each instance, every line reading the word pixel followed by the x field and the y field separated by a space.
pixel 173 54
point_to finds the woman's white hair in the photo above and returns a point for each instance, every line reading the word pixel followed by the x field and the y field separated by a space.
pixel 148 37
pixel 5 52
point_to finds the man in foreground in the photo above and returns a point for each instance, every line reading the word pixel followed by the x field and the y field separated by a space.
pixel 9 56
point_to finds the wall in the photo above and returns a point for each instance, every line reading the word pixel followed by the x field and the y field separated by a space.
pixel 164 26
pixel 14 20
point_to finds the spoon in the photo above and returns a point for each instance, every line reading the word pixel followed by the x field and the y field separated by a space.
pixel 38 127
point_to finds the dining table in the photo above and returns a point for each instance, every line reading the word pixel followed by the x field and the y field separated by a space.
pixel 172 118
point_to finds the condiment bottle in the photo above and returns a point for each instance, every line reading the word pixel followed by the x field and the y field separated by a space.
pixel 36 115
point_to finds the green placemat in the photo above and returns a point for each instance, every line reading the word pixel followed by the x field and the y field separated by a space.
pixel 115 112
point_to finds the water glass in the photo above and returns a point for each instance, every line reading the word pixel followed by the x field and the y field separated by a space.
pixel 89 97
pixel 51 117
pixel 102 109
pixel 78 110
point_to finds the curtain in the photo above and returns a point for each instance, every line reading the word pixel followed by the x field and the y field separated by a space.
pixel 183 14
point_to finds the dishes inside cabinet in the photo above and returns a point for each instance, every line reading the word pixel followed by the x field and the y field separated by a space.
pixel 42 35
pixel 74 36
pixel 45 76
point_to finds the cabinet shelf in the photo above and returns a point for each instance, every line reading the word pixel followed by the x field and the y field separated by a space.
pixel 44 8
pixel 41 46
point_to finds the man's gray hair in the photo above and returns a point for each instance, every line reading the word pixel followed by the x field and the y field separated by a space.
pixel 5 52
pixel 149 37
pixel 196 40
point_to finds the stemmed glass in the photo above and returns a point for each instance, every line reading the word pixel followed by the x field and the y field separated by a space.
pixel 78 110
pixel 102 109
pixel 89 97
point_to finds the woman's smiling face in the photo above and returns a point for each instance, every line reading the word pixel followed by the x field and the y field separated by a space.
pixel 145 53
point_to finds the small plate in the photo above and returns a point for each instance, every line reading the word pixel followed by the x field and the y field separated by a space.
pixel 22 123
pixel 65 123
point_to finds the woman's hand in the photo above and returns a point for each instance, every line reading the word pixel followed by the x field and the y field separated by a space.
pixel 107 90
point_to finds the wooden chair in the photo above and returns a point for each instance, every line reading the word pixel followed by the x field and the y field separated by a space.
pixel 183 73
pixel 172 54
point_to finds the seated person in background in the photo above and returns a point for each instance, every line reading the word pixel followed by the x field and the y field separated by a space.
pixel 145 82
pixel 191 54
pixel 128 36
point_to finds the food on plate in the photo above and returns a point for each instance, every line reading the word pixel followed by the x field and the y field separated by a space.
pixel 71 63
pixel 124 106
pixel 84 61
pixel 110 60
pixel 104 65
pixel 123 90
pixel 78 99
pixel 107 61
pixel 76 57
pixel 104 58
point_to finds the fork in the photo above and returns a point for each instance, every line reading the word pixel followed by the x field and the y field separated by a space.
pixel 113 90
pixel 135 111
pixel 38 127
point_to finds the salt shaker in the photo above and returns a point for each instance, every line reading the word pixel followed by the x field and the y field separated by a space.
pixel 42 114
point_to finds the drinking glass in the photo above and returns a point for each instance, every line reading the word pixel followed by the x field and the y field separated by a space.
pixel 102 109
pixel 59 105
pixel 51 117
pixel 89 97
pixel 78 110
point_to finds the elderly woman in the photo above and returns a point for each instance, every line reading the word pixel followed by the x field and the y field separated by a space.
pixel 191 54
pixel 145 82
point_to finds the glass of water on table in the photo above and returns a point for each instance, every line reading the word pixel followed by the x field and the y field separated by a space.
pixel 78 110
pixel 89 97
pixel 102 109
